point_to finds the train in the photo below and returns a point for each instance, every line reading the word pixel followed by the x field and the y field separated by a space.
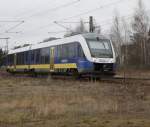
pixel 88 53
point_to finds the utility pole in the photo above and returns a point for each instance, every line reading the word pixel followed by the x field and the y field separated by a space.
pixel 91 24
pixel 7 45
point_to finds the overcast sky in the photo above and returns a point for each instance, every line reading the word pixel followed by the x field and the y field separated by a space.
pixel 39 15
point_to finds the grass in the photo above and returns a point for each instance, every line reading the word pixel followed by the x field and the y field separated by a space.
pixel 46 102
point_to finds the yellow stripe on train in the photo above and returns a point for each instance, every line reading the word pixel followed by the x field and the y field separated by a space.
pixel 61 66
pixel 22 66
pixel 45 66
pixel 40 66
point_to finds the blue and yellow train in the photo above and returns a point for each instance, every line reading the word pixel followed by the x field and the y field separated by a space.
pixel 82 54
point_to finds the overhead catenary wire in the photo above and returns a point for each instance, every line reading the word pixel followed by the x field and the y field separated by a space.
pixel 53 9
pixel 26 12
pixel 92 10
pixel 106 22
pixel 8 30
pixel 84 13
pixel 63 26
pixel 13 32
pixel 110 21
pixel 81 15
pixel 103 23
pixel 63 22
pixel 58 23
pixel 56 32
pixel 11 21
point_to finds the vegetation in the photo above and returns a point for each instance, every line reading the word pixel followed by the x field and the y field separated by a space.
pixel 47 102
pixel 132 41
pixel 80 29
pixel 2 54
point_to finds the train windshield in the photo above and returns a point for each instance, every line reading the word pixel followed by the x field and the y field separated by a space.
pixel 100 48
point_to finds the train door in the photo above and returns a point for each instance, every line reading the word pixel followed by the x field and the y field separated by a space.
pixel 52 51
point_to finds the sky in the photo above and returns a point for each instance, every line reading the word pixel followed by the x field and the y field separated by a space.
pixel 31 21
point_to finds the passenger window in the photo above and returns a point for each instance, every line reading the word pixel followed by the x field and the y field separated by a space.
pixel 47 52
pixel 37 56
pixel 59 51
pixel 22 58
pixel 71 50
pixel 80 51
pixel 44 55
pixel 26 57
pixel 18 59
pixel 32 57
pixel 65 51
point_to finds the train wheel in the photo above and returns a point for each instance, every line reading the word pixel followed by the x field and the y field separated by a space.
pixel 33 73
pixel 76 74
pixel 93 78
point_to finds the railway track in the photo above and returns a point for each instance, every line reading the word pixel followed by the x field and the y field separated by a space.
pixel 115 79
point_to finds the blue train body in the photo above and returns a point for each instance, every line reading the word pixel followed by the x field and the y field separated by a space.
pixel 87 53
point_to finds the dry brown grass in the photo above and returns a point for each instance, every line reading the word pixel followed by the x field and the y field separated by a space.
pixel 134 72
pixel 47 102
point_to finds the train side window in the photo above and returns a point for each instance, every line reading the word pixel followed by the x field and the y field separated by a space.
pixel 41 56
pixel 80 51
pixel 26 57
pixel 32 57
pixel 25 61
pixel 76 49
pixel 47 55
pixel 71 50
pixel 62 51
pixel 59 51
pixel 10 59
pixel 18 58
pixel 22 58
pixel 44 55
pixel 37 56
pixel 65 51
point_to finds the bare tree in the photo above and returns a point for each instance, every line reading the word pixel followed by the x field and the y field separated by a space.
pixel 126 39
pixel 148 47
pixel 81 28
pixel 97 28
pixel 116 37
pixel 140 27
pixel 78 30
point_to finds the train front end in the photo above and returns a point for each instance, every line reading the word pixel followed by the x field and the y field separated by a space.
pixel 102 54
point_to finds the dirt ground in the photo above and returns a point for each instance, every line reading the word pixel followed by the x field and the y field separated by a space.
pixel 135 73
pixel 45 102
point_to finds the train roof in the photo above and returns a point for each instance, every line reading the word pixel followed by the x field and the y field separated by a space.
pixel 66 40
